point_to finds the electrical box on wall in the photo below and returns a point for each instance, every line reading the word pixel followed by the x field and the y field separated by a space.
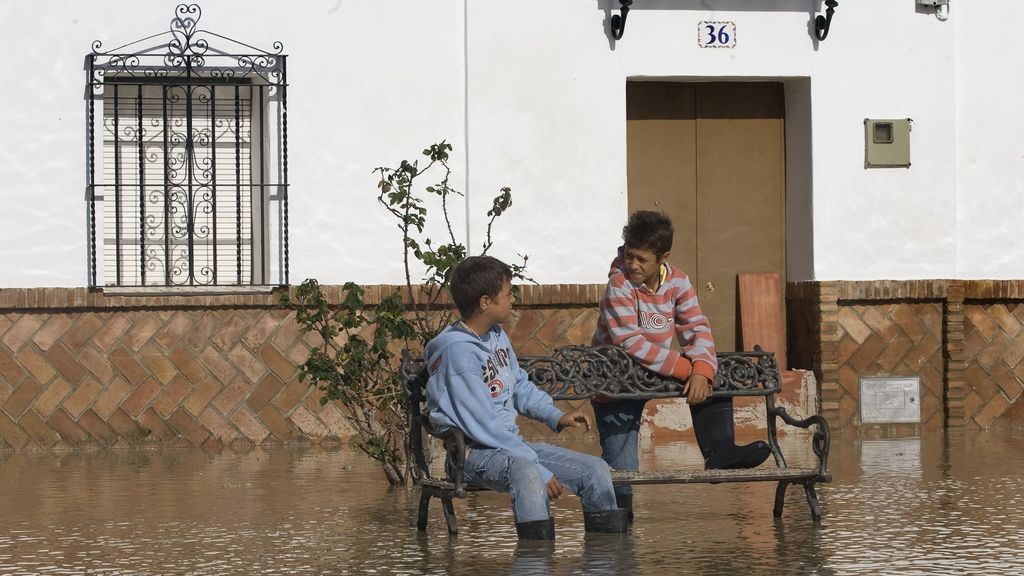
pixel 890 399
pixel 887 142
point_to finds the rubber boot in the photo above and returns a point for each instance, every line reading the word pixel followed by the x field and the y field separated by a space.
pixel 536 529
pixel 625 501
pixel 606 520
pixel 716 436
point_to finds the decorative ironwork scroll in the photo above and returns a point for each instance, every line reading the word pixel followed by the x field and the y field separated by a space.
pixel 576 372
pixel 188 120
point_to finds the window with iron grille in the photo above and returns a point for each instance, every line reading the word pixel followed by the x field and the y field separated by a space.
pixel 188 161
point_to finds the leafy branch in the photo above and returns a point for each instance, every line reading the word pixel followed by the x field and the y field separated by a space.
pixel 356 361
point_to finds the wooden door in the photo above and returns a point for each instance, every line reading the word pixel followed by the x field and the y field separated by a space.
pixel 711 155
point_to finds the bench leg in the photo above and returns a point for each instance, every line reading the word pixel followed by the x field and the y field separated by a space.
pixel 421 518
pixel 449 514
pixel 780 498
pixel 812 500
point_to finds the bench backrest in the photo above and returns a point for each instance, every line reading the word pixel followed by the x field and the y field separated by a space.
pixel 580 372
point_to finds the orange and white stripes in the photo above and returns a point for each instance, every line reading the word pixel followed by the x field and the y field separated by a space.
pixel 644 322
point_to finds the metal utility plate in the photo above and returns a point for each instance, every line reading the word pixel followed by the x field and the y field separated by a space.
pixel 890 399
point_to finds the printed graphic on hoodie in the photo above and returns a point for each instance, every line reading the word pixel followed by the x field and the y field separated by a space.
pixel 496 386
pixel 653 320
pixel 492 368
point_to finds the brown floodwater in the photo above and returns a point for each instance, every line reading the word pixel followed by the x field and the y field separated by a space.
pixel 948 504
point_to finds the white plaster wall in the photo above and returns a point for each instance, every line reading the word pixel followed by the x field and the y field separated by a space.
pixel 990 145
pixel 42 145
pixel 884 60
pixel 375 82
pixel 371 83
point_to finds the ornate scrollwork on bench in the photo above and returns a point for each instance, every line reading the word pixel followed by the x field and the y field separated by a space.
pixel 577 372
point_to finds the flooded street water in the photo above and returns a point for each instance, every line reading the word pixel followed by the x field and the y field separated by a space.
pixel 945 505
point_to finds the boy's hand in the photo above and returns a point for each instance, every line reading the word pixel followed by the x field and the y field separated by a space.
pixel 555 488
pixel 697 389
pixel 575 419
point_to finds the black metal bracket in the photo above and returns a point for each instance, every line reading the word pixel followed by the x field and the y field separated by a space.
pixel 618 23
pixel 822 23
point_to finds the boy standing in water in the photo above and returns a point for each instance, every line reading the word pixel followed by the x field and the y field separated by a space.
pixel 646 304
pixel 475 384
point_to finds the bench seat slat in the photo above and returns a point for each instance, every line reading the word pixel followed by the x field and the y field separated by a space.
pixel 679 477
pixel 707 476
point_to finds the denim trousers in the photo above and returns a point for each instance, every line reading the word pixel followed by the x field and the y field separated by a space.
pixel 618 424
pixel 582 474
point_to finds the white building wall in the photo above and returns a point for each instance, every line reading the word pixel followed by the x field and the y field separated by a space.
pixel 374 82
pixel 990 139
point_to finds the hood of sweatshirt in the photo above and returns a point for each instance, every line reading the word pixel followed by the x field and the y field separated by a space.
pixel 457 332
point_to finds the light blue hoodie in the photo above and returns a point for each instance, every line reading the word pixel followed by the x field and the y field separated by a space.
pixel 476 385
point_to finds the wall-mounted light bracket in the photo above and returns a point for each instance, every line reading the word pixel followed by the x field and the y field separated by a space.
pixel 941 7
pixel 618 22
pixel 822 23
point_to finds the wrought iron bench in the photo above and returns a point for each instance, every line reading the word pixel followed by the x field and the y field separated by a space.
pixel 581 372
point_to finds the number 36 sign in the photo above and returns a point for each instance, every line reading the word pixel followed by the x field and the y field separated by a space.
pixel 716 34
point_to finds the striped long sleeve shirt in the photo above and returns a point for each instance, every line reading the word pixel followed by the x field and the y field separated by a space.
pixel 643 322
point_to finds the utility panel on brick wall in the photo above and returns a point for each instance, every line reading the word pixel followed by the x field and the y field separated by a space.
pixel 887 143
pixel 890 399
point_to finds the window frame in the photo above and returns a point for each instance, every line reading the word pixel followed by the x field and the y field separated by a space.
pixel 188 61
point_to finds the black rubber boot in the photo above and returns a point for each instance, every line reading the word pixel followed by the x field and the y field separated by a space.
pixel 716 436
pixel 625 501
pixel 536 530
pixel 606 520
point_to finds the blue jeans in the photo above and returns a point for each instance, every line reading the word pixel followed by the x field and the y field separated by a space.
pixel 618 424
pixel 586 476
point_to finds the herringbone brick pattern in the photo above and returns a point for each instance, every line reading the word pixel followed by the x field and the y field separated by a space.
pixel 109 377
pixel 994 352
pixel 890 339
pixel 79 368
pixel 220 375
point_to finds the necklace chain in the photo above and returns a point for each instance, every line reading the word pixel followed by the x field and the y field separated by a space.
pixel 471 331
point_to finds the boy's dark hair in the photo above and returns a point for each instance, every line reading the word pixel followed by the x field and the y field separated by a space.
pixel 474 278
pixel 647 230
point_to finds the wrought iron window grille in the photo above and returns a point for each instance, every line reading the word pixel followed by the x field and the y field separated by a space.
pixel 192 138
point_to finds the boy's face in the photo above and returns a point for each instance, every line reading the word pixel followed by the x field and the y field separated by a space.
pixel 499 308
pixel 643 266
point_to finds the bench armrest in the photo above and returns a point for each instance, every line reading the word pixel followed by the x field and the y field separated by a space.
pixel 455 455
pixel 455 459
pixel 820 442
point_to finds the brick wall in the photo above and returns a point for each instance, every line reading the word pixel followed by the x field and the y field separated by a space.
pixel 994 349
pixel 964 338
pixel 79 368
pixel 82 369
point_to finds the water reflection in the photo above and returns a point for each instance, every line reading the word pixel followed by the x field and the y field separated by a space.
pixel 952 504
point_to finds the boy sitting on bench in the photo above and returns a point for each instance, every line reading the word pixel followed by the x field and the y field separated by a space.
pixel 475 384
